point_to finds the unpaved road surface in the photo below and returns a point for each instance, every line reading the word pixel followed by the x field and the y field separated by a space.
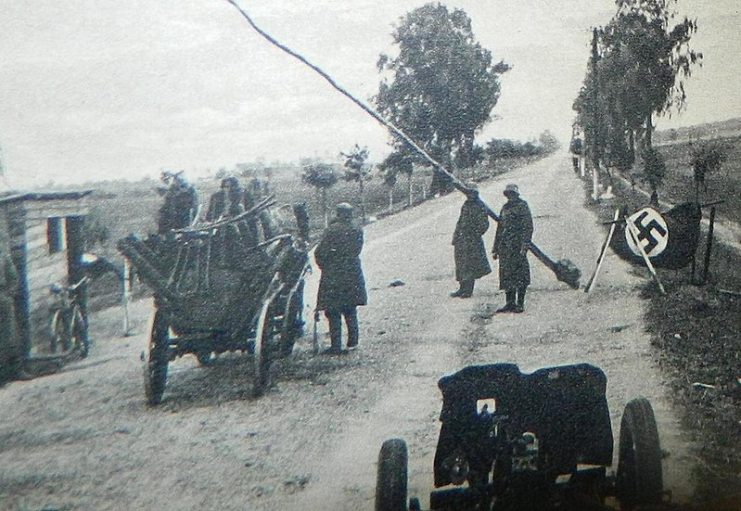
pixel 84 438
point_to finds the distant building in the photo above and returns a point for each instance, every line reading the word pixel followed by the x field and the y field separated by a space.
pixel 45 236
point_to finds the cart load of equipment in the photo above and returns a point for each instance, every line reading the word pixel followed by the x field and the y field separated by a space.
pixel 213 275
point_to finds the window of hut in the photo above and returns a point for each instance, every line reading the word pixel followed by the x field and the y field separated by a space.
pixel 55 234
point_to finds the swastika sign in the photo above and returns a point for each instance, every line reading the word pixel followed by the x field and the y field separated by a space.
pixel 652 232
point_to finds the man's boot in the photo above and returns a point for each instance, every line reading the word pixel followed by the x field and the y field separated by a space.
pixel 335 332
pixel 520 307
pixel 351 320
pixel 510 305
pixel 467 288
pixel 460 290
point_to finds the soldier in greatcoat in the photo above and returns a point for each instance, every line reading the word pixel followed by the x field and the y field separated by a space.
pixel 231 239
pixel 342 285
pixel 180 205
pixel 468 247
pixel 232 200
pixel 227 201
pixel 514 232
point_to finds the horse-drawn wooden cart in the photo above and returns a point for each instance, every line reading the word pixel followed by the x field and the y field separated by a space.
pixel 235 284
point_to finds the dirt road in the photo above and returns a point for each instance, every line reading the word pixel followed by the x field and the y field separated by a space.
pixel 84 439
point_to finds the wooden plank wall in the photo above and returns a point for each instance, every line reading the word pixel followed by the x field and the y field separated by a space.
pixel 27 222
pixel 38 209
pixel 42 270
pixel 13 215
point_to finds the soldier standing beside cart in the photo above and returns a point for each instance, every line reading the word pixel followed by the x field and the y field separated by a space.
pixel 342 285
pixel 468 247
pixel 181 203
pixel 227 201
pixel 514 232
pixel 232 200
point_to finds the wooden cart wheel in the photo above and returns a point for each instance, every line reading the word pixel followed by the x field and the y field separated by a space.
pixel 291 318
pixel 155 368
pixel 261 352
pixel 391 481
pixel 639 476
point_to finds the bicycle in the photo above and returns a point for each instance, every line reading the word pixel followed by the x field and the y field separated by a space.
pixel 68 324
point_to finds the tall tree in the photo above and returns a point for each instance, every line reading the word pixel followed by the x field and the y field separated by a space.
pixel 548 142
pixel 706 158
pixel 640 61
pixel 357 170
pixel 322 177
pixel 657 58
pixel 389 181
pixel 441 87
pixel 399 162
pixel 589 106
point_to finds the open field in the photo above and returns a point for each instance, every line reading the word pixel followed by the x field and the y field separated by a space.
pixel 710 130
pixel 724 185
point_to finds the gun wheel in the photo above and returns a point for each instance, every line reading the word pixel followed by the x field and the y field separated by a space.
pixel 391 482
pixel 639 475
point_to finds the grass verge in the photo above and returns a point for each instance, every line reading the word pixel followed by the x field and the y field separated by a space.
pixel 696 335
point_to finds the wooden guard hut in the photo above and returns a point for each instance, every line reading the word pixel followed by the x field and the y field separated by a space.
pixel 46 244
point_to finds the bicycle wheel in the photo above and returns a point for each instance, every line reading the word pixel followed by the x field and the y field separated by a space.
pixel 79 332
pixel 56 331
pixel 60 333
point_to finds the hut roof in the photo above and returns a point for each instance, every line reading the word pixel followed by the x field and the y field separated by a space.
pixel 43 196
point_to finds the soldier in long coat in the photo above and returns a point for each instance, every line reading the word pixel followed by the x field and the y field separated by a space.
pixel 180 206
pixel 342 285
pixel 231 240
pixel 514 232
pixel 232 200
pixel 468 247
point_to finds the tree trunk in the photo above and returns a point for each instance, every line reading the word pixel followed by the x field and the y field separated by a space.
pixel 609 177
pixel 391 198
pixel 697 191
pixel 649 130
pixel 631 138
pixel 324 208
pixel 362 199
pixel 409 190
pixel 595 181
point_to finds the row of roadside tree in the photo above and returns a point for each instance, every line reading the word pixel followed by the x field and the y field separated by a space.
pixel 637 69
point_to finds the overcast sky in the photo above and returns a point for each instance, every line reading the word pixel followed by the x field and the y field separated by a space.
pixel 95 89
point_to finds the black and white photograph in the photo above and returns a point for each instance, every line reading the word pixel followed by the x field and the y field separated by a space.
pixel 389 255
